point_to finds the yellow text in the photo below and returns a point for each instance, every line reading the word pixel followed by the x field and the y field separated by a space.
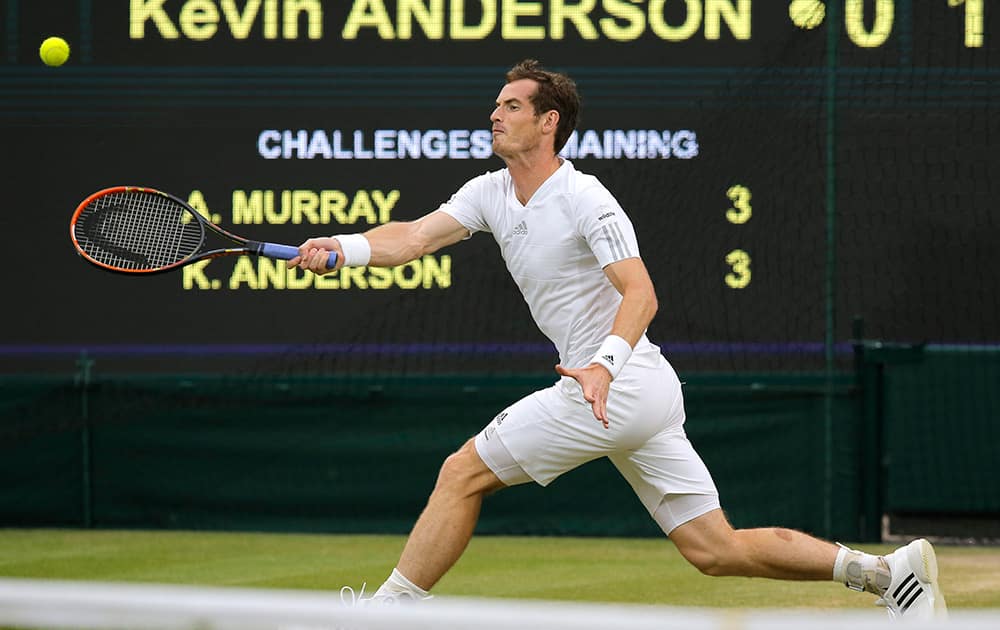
pixel 199 20
pixel 258 274
pixel 536 20
pixel 314 207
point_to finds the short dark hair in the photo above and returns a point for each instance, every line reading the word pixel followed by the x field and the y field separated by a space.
pixel 555 91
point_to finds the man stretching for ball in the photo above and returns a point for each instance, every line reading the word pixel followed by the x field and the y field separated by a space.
pixel 572 251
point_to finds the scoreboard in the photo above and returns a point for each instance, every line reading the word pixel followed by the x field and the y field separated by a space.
pixel 787 165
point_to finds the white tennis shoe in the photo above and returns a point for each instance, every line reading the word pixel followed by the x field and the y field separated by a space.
pixel 913 591
pixel 349 598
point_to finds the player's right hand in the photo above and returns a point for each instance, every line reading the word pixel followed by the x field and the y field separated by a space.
pixel 314 254
pixel 595 381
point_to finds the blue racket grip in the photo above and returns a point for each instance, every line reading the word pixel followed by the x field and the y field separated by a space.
pixel 287 252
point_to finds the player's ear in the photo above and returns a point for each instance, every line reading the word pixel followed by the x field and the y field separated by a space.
pixel 551 121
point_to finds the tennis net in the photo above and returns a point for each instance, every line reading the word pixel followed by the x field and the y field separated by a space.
pixel 53 605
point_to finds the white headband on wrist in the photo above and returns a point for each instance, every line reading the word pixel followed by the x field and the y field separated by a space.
pixel 357 250
pixel 613 354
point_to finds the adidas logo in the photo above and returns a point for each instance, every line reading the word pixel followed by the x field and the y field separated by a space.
pixel 907 592
pixel 521 229
pixel 610 358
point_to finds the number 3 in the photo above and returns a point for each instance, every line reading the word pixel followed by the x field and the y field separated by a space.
pixel 739 260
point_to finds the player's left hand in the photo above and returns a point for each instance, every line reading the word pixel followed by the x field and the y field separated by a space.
pixel 596 382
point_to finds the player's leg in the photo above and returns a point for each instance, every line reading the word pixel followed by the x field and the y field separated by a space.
pixel 905 580
pixel 675 486
pixel 483 465
pixel 536 439
pixel 445 527
pixel 711 544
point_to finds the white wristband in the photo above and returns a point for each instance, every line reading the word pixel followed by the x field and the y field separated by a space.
pixel 357 250
pixel 613 354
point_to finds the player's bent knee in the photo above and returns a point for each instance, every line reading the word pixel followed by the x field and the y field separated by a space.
pixel 705 560
pixel 463 472
pixel 711 546
pixel 454 470
pixel 723 561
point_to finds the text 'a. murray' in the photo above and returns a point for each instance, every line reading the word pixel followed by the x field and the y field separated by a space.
pixel 317 207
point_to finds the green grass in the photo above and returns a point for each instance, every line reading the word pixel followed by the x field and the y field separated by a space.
pixel 581 569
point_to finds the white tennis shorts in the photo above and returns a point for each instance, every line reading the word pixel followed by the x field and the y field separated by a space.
pixel 554 430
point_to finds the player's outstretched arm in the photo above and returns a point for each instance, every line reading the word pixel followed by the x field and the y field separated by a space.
pixel 397 243
pixel 390 244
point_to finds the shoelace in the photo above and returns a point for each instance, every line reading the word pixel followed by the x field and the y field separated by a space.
pixel 354 599
pixel 349 598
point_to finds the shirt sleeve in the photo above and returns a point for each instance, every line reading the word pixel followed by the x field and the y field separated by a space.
pixel 467 206
pixel 605 226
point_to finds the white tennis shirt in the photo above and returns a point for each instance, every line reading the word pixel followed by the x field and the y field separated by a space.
pixel 556 248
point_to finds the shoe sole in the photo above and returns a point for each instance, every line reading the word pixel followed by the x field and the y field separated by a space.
pixel 923 561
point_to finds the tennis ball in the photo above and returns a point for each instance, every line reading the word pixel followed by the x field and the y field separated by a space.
pixel 54 51
pixel 807 14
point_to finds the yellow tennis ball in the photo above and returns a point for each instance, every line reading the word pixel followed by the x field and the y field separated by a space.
pixel 54 51
pixel 807 14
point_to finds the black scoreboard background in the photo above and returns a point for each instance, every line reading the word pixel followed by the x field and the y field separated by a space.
pixel 788 166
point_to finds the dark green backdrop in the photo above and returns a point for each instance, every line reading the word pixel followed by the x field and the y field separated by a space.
pixel 913 432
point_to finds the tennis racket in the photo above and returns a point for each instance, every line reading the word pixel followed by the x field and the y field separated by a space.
pixel 128 229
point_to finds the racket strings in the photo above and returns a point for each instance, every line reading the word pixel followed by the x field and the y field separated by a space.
pixel 138 230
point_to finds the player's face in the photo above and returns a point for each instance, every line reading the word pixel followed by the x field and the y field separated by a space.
pixel 516 127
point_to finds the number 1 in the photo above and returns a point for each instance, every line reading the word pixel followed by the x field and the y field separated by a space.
pixel 973 21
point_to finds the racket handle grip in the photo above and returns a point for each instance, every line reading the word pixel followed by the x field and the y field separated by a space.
pixel 287 252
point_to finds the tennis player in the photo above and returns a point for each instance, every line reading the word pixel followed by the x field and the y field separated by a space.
pixel 573 253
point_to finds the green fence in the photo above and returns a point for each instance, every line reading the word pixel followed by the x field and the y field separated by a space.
pixel 912 432
pixel 931 435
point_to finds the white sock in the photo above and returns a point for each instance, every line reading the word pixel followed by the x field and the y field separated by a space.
pixel 397 585
pixel 860 570
pixel 840 566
